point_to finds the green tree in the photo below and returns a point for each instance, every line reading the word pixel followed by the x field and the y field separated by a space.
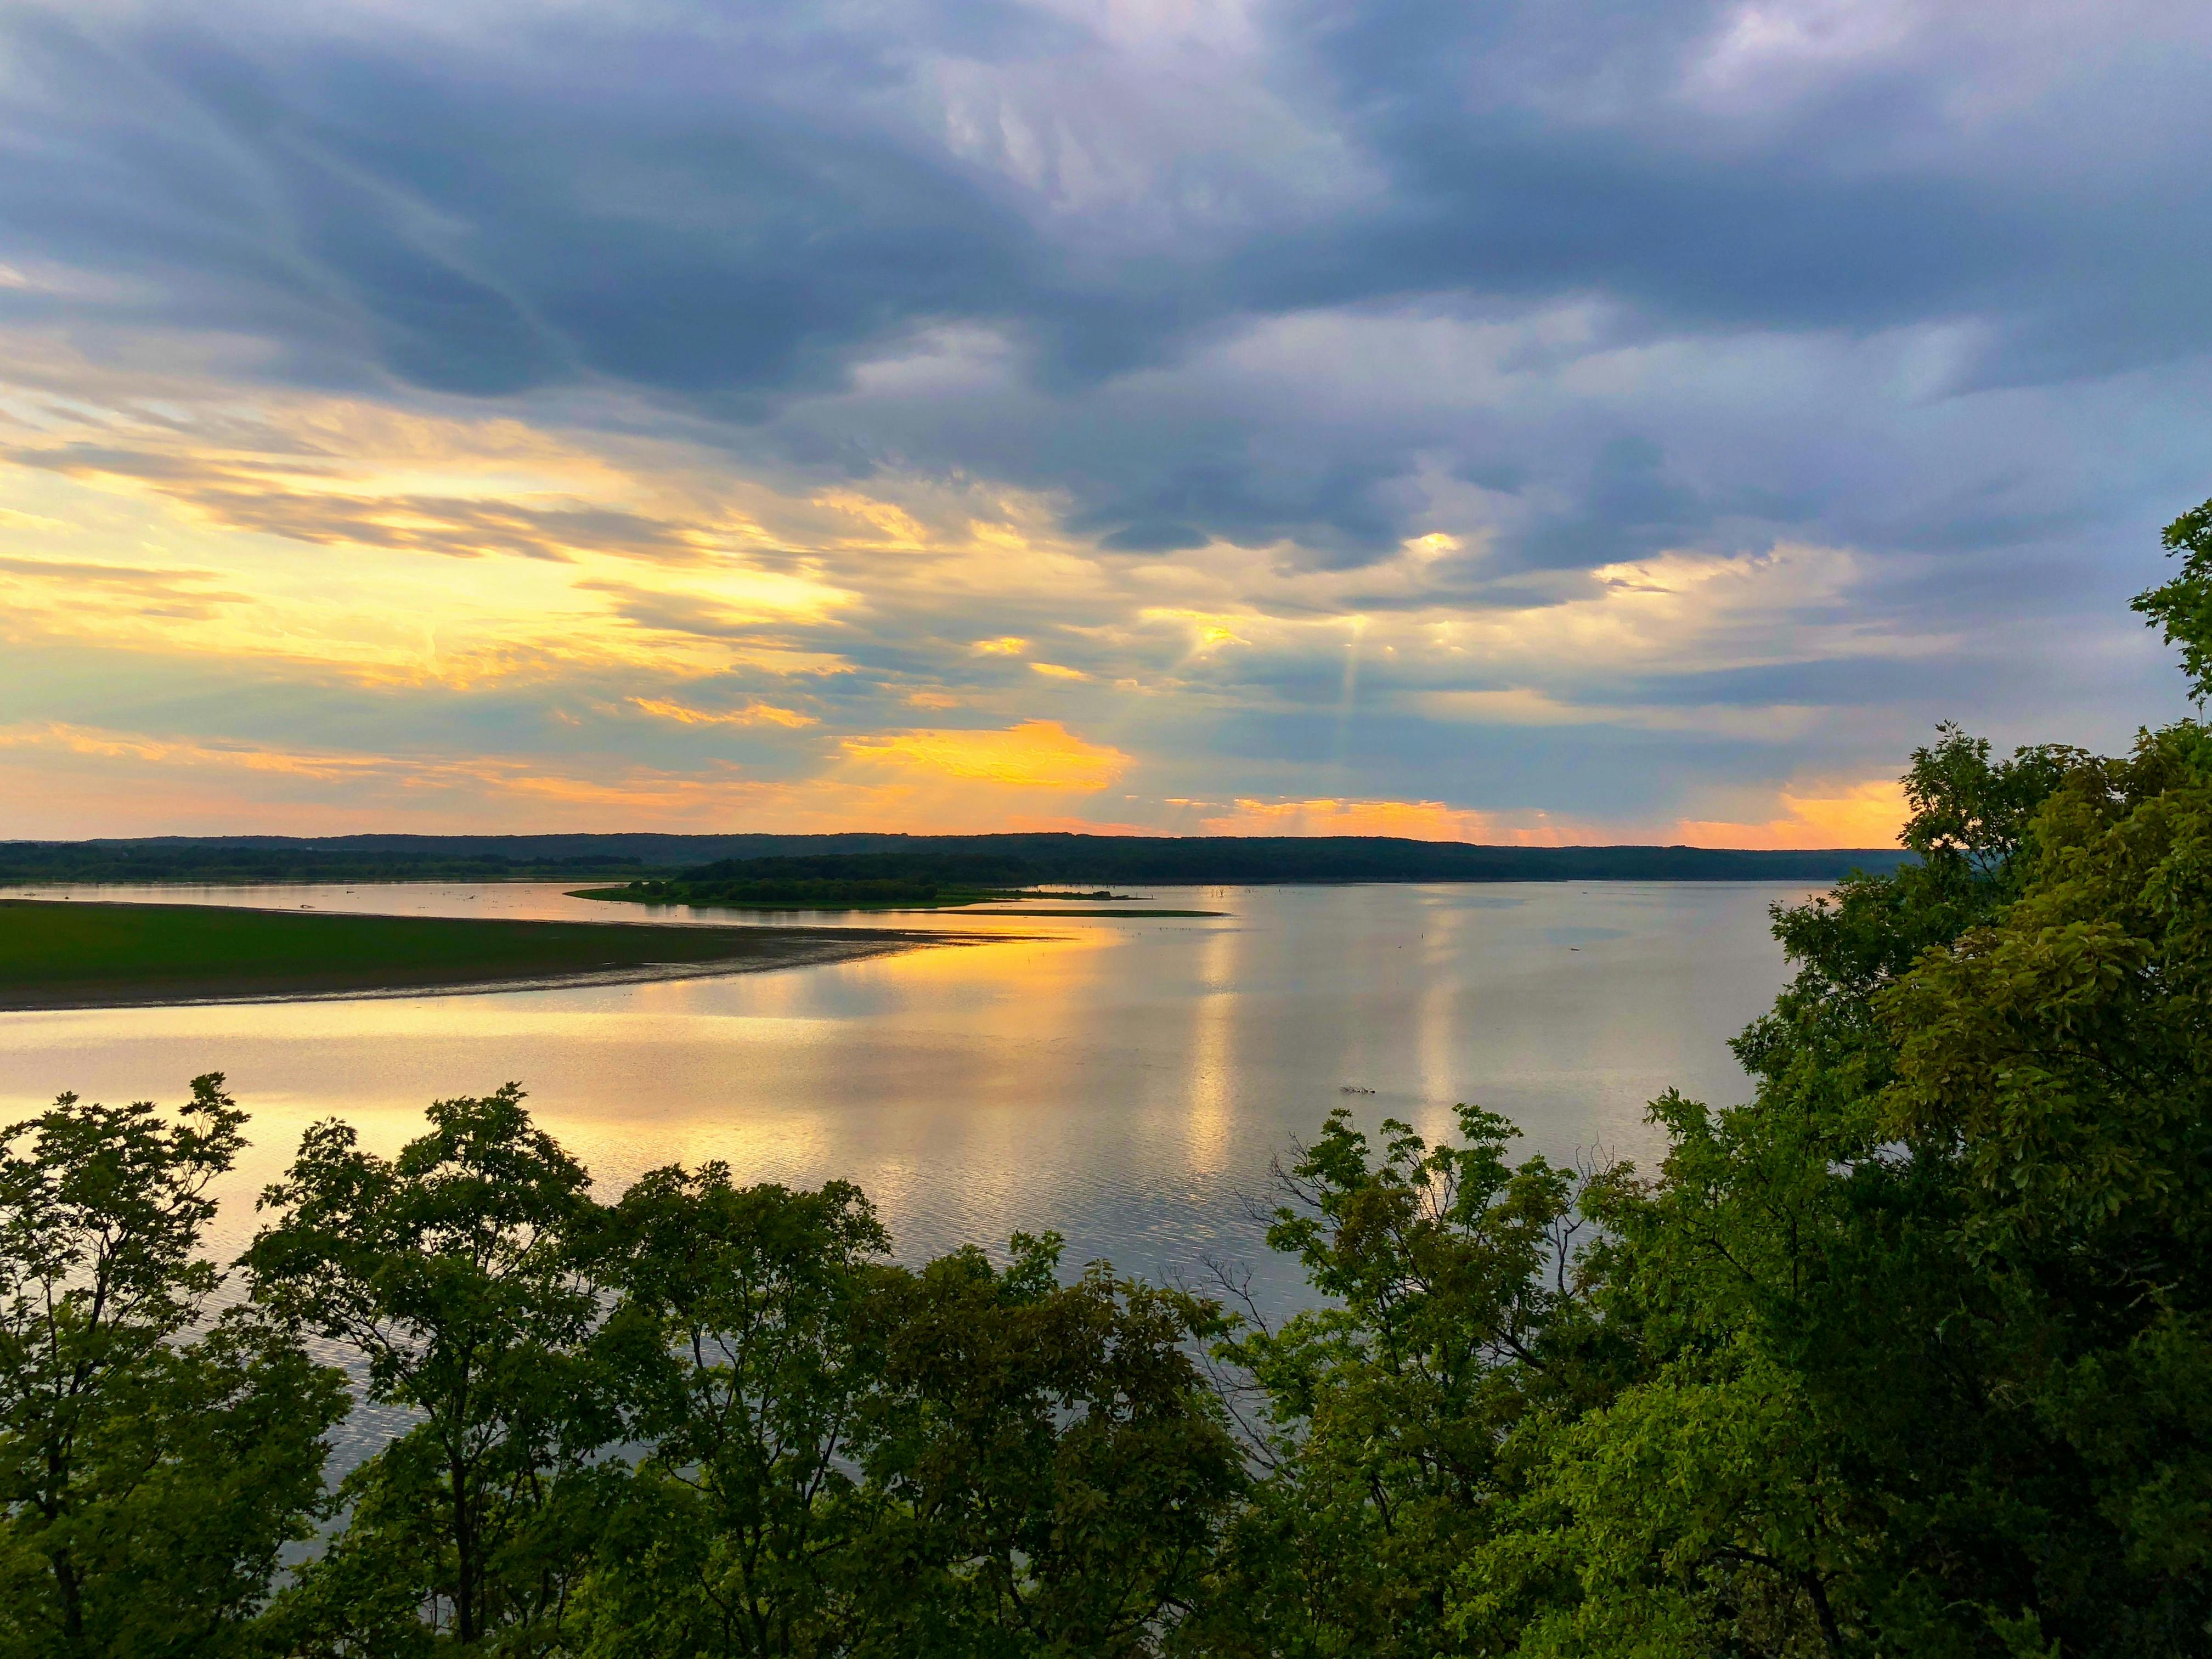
pixel 454 1271
pixel 1049 1469
pixel 1922 1347
pixel 2060 1059
pixel 148 1480
pixel 1387 1419
pixel 2182 607
pixel 748 1360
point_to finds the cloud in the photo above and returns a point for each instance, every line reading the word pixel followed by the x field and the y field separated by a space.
pixel 83 585
pixel 1034 755
pixel 752 713
pixel 251 499
pixel 1412 820
pixel 749 216
pixel 1616 412
pixel 109 781
pixel 1868 814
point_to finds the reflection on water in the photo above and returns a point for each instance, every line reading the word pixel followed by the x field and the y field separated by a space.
pixel 1123 1080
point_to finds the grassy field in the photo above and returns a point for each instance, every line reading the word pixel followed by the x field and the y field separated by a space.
pixel 73 954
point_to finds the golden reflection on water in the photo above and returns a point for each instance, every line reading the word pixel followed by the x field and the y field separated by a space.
pixel 1124 1080
pixel 1438 1022
pixel 1209 1103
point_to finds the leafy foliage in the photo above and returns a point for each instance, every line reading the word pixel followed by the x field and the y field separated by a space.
pixel 453 1271
pixel 1050 1470
pixel 745 1350
pixel 149 1478
pixel 832 1455
pixel 2183 606
pixel 1922 1327
pixel 1388 1420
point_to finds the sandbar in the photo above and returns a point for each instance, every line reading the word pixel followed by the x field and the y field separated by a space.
pixel 61 954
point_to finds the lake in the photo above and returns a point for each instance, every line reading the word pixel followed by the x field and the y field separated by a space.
pixel 1125 1081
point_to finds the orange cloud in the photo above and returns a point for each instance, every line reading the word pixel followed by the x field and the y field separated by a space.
pixel 1058 672
pixel 754 713
pixel 93 779
pixel 1413 820
pixel 1006 645
pixel 85 781
pixel 1868 814
pixel 1034 755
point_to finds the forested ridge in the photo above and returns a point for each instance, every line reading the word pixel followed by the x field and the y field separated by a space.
pixel 1911 1354
pixel 912 861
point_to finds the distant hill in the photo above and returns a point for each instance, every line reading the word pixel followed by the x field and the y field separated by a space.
pixel 1009 860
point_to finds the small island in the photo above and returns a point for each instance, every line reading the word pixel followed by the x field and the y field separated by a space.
pixel 817 893
pixel 893 881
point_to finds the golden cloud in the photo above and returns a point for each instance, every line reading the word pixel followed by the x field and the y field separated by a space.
pixel 892 525
pixel 80 585
pixel 1207 631
pixel 196 521
pixel 1412 820
pixel 92 781
pixel 1868 814
pixel 81 780
pixel 754 713
pixel 1034 755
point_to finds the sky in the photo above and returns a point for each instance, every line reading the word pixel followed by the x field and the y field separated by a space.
pixel 1624 419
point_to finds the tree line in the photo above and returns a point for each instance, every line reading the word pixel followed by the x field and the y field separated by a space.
pixel 1911 1353
pixel 997 861
pixel 26 863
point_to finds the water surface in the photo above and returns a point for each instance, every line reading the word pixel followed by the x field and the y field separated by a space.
pixel 1125 1081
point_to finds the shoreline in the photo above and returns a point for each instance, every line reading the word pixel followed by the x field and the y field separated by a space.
pixel 644 974
pixel 726 952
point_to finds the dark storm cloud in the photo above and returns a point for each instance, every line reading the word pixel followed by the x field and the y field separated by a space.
pixel 728 208
pixel 1534 147
pixel 475 236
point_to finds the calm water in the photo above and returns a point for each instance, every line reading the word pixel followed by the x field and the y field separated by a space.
pixel 1125 1081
